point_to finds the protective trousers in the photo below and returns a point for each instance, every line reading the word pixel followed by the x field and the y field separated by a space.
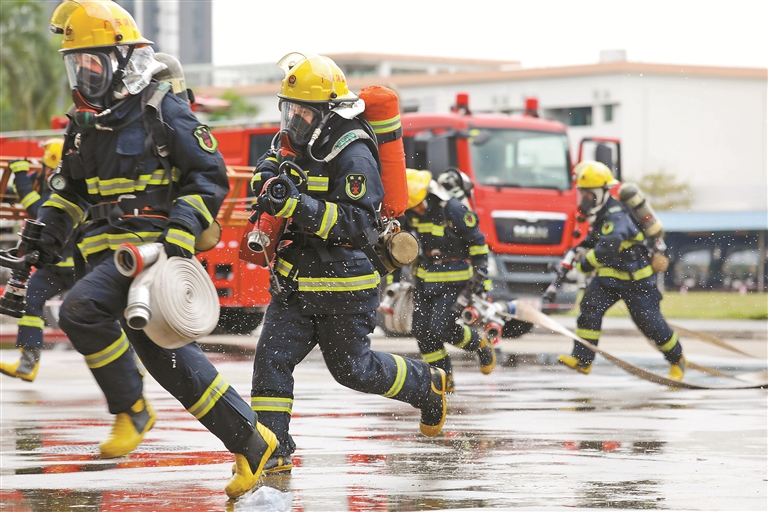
pixel 643 302
pixel 287 338
pixel 92 315
pixel 434 325
pixel 44 284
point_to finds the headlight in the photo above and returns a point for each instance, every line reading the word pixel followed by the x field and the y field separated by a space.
pixel 493 269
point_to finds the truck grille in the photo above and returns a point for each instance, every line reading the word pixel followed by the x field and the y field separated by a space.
pixel 529 267
pixel 533 228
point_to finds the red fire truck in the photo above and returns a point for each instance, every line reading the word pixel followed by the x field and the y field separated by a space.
pixel 524 194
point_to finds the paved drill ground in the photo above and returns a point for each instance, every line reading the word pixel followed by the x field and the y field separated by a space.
pixel 532 435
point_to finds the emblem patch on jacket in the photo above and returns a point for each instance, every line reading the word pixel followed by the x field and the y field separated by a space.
pixel 470 219
pixel 607 228
pixel 206 139
pixel 355 186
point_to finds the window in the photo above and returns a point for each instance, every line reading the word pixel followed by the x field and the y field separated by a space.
pixel 608 113
pixel 520 158
pixel 576 116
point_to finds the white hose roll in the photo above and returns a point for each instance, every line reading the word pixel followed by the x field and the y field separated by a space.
pixel 183 303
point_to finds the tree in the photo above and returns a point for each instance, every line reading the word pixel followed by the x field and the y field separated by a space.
pixel 31 70
pixel 239 108
pixel 664 191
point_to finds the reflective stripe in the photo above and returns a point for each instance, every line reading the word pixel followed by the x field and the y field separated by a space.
pixel 283 268
pixel 19 166
pixel 467 337
pixel 182 238
pixel 109 354
pixel 625 276
pixel 74 211
pixel 435 356
pixel 626 244
pixel 198 204
pixel 592 259
pixel 69 262
pixel 670 344
pixel 339 284
pixel 429 227
pixel 289 208
pixel 215 391
pixel 104 241
pixel 399 378
pixel 330 217
pixel 444 277
pixel 272 404
pixel 116 186
pixel 317 183
pixel 30 199
pixel 475 250
pixel 588 334
pixel 386 125
pixel 31 321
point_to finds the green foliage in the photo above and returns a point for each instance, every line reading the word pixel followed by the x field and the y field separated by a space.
pixel 32 83
pixel 239 108
pixel 664 191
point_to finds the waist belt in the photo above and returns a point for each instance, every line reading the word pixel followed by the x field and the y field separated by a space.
pixel 153 203
pixel 622 275
pixel 440 261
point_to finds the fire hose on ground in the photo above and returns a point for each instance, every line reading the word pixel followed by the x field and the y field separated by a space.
pixel 172 299
pixel 524 312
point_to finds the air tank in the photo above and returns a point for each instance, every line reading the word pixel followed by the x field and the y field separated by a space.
pixel 630 195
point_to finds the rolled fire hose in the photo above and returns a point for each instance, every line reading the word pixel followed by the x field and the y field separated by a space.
pixel 529 314
pixel 172 299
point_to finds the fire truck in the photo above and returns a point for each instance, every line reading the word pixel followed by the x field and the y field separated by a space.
pixel 523 191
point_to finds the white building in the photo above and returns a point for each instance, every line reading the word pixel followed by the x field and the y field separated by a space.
pixel 706 125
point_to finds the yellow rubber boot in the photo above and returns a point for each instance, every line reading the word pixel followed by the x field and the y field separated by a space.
pixel 433 412
pixel 677 370
pixel 487 355
pixel 128 430
pixel 250 464
pixel 573 363
pixel 26 367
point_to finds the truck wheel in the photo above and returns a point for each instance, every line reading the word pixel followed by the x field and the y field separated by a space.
pixel 516 328
pixel 238 321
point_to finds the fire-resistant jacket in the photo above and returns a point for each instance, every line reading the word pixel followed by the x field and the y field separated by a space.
pixel 615 243
pixel 449 239
pixel 102 166
pixel 324 267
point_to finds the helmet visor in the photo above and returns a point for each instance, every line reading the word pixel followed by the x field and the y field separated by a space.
pixel 298 122
pixel 587 200
pixel 89 73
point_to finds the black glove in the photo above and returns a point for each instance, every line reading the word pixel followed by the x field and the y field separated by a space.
pixel 260 178
pixel 177 241
pixel 19 166
pixel 46 250
pixel 481 286
pixel 280 197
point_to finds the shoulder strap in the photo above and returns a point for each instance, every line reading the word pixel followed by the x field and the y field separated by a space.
pixel 151 98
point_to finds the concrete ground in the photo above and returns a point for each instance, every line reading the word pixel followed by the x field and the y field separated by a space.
pixel 532 435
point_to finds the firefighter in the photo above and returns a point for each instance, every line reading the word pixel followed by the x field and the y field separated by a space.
pixel 328 288
pixel 122 185
pixel 32 190
pixel 451 250
pixel 619 262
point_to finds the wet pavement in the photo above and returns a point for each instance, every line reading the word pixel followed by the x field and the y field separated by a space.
pixel 530 436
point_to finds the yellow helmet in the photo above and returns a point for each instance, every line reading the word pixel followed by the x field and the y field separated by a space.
pixel 418 185
pixel 314 79
pixel 593 174
pixel 94 24
pixel 52 154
